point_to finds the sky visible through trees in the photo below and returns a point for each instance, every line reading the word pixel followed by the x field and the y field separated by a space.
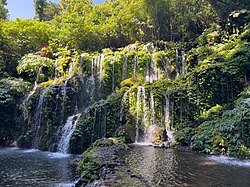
pixel 25 8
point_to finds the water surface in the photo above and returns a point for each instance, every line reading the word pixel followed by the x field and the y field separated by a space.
pixel 168 167
pixel 20 167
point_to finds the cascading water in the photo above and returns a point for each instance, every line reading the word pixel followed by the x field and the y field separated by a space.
pixel 151 73
pixel 167 118
pixel 38 119
pixel 66 133
pixel 135 73
pixel 123 102
pixel 152 107
pixel 124 67
pixel 177 62
pixel 101 58
pixel 25 102
pixel 183 59
pixel 141 97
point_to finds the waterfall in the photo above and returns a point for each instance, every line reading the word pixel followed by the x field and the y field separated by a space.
pixel 151 73
pixel 150 48
pixel 131 47
pixel 177 62
pixel 64 94
pixel 123 102
pixel 66 133
pixel 135 73
pixel 140 96
pixel 183 60
pixel 38 119
pixel 152 108
pixel 170 133
pixel 25 102
pixel 167 69
pixel 101 58
pixel 124 67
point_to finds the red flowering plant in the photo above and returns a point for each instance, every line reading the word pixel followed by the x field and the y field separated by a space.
pixel 45 51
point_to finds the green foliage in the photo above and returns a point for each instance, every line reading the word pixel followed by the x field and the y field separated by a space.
pixel 212 112
pixel 26 36
pixel 11 92
pixel 226 135
pixel 39 8
pixel 89 166
pixel 33 64
pixel 3 9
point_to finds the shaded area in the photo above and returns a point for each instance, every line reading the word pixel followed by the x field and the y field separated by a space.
pixel 20 167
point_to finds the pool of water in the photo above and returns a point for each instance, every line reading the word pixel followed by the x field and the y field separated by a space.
pixel 22 167
pixel 168 167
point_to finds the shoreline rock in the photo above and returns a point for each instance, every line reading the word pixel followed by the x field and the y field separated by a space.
pixel 102 165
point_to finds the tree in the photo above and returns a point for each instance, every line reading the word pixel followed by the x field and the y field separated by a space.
pixel 39 8
pixel 51 10
pixel 3 10
pixel 224 7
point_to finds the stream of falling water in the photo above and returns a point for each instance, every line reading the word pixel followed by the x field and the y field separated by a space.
pixel 170 133
pixel 38 119
pixel 66 133
pixel 25 102
pixel 123 102
pixel 141 97
pixel 152 107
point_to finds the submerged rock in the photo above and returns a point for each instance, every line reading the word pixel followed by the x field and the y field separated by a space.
pixel 102 165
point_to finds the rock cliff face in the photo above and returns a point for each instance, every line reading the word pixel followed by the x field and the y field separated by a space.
pixel 113 76
pixel 141 93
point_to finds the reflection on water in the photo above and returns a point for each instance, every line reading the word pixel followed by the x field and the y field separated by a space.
pixel 168 167
pixel 20 167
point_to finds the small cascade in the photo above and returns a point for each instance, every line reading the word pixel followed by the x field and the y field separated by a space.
pixel 123 102
pixel 177 62
pixel 152 107
pixel 66 133
pixel 101 58
pixel 64 94
pixel 150 48
pixel 149 134
pixel 135 73
pixel 141 97
pixel 167 69
pixel 131 47
pixel 97 66
pixel 125 67
pixel 25 102
pixel 38 119
pixel 90 88
pixel 170 133
pixel 183 60
pixel 151 73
